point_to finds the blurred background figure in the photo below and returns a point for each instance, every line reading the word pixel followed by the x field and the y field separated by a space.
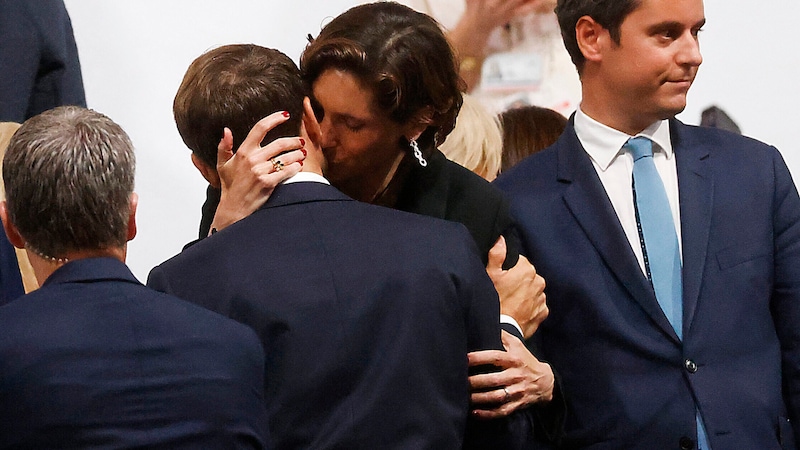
pixel 475 142
pixel 510 51
pixel 715 117
pixel 527 130
pixel 38 59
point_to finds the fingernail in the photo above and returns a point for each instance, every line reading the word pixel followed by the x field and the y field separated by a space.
pixel 305 153
pixel 302 142
pixel 301 163
pixel 285 113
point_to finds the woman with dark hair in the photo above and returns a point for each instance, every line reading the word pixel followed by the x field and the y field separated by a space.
pixel 386 92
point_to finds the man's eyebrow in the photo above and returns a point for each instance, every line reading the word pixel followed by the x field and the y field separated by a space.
pixel 668 25
pixel 675 25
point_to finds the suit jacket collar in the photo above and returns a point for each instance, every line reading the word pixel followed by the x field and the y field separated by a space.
pixel 91 269
pixel 588 202
pixel 303 192
pixel 295 193
pixel 696 193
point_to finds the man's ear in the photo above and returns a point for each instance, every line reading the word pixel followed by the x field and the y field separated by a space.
pixel 208 172
pixel 11 231
pixel 310 122
pixel 134 202
pixel 418 123
pixel 592 38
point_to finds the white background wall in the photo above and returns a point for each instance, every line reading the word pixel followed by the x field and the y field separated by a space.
pixel 134 54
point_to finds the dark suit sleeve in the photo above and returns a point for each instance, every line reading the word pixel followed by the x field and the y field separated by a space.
pixel 504 225
pixel 512 330
pixel 157 280
pixel 19 60
pixel 548 418
pixel 482 315
pixel 785 302
pixel 39 59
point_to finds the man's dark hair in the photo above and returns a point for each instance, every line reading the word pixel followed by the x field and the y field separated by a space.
pixel 69 175
pixel 608 13
pixel 235 86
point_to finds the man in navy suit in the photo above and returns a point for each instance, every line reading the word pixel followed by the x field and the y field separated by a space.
pixel 366 314
pixel 94 359
pixel 716 363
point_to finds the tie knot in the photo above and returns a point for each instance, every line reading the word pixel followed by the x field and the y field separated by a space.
pixel 639 147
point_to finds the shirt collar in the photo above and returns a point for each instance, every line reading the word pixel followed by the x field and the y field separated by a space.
pixel 307 176
pixel 604 143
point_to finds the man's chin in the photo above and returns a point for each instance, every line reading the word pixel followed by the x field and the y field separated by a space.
pixel 674 108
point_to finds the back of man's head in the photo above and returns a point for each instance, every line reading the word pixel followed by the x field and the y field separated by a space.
pixel 69 176
pixel 235 86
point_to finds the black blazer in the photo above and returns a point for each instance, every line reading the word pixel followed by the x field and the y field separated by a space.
pixel 93 359
pixel 445 190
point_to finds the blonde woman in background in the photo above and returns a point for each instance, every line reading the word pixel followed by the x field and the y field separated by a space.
pixel 475 142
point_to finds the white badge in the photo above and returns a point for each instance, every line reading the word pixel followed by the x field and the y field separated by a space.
pixel 511 71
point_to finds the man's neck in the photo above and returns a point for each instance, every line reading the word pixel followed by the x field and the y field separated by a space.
pixel 600 103
pixel 44 266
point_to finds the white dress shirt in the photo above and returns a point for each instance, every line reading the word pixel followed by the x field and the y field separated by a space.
pixel 614 166
pixel 306 176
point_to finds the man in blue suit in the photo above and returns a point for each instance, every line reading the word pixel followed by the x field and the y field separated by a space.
pixel 366 314
pixel 94 359
pixel 689 336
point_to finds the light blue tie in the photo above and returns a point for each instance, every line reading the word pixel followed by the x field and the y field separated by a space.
pixel 662 258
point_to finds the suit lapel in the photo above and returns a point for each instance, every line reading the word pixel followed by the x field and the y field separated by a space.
pixel 588 202
pixel 696 193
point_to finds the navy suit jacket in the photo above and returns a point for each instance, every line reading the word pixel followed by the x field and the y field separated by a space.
pixel 94 359
pixel 366 315
pixel 628 380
